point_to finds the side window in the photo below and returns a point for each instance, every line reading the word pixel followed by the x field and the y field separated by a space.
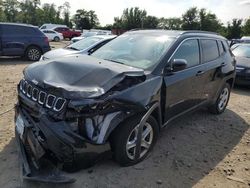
pixel 189 50
pixel 209 50
pixel 8 30
pixel 221 47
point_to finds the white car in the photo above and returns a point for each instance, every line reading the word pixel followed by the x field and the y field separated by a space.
pixel 52 35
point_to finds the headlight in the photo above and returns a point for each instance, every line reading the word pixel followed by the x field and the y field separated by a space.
pixel 43 58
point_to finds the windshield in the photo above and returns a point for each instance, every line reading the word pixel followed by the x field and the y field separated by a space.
pixel 84 43
pixel 242 51
pixel 136 50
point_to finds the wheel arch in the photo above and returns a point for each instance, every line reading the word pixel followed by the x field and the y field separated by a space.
pixel 230 81
pixel 153 110
pixel 33 45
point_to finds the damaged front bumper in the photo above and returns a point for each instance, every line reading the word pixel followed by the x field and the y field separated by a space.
pixel 47 148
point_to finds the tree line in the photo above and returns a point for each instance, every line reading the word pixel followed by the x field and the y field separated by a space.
pixel 35 13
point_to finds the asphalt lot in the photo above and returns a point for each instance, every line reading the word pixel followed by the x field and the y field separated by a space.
pixel 197 150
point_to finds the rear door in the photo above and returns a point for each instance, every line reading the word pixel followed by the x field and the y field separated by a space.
pixel 13 40
pixel 183 88
pixel 212 59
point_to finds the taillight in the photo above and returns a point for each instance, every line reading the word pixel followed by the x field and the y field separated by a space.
pixel 46 40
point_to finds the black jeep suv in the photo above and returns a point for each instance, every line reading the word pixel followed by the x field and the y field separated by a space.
pixel 123 94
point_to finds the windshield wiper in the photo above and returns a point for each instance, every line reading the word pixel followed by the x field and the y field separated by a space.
pixel 114 61
pixel 72 48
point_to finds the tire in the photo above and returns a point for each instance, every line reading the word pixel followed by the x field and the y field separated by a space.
pixel 124 137
pixel 221 102
pixel 56 39
pixel 33 53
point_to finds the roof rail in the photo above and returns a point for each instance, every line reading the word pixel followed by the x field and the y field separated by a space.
pixel 199 31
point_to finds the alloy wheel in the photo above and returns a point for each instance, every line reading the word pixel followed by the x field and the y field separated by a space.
pixel 224 96
pixel 34 54
pixel 146 141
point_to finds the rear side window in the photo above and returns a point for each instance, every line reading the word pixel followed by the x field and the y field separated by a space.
pixel 189 50
pixel 209 50
pixel 221 47
pixel 18 30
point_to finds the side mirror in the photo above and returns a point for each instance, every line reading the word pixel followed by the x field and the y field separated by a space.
pixel 178 64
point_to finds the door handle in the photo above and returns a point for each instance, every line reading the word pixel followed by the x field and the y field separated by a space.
pixel 200 73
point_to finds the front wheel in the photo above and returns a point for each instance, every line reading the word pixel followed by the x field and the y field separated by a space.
pixel 33 53
pixel 221 103
pixel 124 140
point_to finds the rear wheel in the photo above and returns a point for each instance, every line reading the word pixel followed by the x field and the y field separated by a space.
pixel 124 140
pixel 221 103
pixel 56 39
pixel 33 53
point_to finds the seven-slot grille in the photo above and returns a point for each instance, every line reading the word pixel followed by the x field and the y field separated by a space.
pixel 45 99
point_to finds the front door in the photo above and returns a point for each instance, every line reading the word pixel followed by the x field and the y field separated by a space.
pixel 1 50
pixel 184 88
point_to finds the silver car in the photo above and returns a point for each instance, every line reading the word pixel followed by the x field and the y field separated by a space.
pixel 85 46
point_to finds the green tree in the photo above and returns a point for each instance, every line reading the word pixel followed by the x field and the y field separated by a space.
pixel 150 22
pixel 2 15
pixel 246 28
pixel 131 18
pixel 208 21
pixel 93 19
pixel 234 29
pixel 29 10
pixel 66 14
pixel 118 23
pixel 47 17
pixel 170 23
pixel 10 10
pixel 85 19
pixel 58 19
pixel 190 19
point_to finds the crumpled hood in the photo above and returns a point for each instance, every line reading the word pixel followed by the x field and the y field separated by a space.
pixel 243 62
pixel 59 53
pixel 79 76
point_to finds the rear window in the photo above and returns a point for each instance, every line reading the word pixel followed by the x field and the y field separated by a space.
pixel 209 50
pixel 18 30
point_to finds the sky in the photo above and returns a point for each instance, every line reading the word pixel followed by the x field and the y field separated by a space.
pixel 106 10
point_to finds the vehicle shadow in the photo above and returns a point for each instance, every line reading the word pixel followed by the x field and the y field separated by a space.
pixel 13 61
pixel 185 152
pixel 241 90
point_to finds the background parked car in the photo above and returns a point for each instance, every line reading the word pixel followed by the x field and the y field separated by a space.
pixel 90 33
pixel 52 35
pixel 84 46
pixel 67 33
pixel 22 40
pixel 51 26
pixel 83 35
pixel 242 55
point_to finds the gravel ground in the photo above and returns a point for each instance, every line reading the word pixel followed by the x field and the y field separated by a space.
pixel 197 150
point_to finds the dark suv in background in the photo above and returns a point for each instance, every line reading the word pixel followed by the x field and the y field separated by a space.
pixel 123 94
pixel 22 40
